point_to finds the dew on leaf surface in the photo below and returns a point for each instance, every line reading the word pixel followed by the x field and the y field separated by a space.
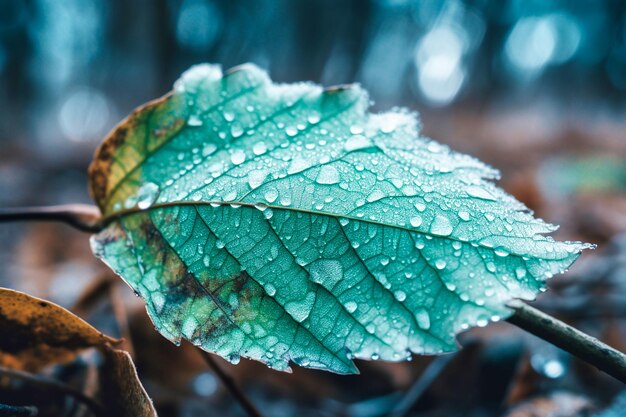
pixel 194 121
pixel 350 306
pixel 271 195
pixel 328 174
pixel 441 226
pixel 147 195
pixel 416 221
pixel 423 318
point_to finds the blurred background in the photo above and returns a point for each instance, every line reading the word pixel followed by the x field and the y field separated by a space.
pixel 535 88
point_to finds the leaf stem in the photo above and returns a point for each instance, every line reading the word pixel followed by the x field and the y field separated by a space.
pixel 229 383
pixel 56 386
pixel 83 217
pixel 566 337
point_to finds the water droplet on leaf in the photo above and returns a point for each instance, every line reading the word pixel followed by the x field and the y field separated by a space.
pixel 441 226
pixel 422 318
pixel 271 195
pixel 416 221
pixel 146 195
pixel 237 156
pixel 259 148
pixel 328 174
pixel 194 120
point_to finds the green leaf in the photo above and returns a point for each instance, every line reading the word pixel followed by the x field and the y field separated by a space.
pixel 286 223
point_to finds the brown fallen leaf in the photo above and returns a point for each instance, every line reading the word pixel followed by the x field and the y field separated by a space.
pixel 557 404
pixel 122 392
pixel 524 384
pixel 36 332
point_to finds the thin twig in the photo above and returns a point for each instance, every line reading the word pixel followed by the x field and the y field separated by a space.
pixel 230 384
pixel 54 385
pixel 587 348
pixel 95 292
pixel 80 216
pixel 18 410
pixel 413 394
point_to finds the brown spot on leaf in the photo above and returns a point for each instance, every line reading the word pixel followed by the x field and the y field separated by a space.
pixel 239 282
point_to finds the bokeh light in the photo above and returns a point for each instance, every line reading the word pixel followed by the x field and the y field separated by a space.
pixel 84 115
pixel 197 25
pixel 535 42
pixel 438 59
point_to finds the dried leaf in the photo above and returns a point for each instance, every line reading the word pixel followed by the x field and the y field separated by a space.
pixel 558 404
pixel 122 392
pixel 37 333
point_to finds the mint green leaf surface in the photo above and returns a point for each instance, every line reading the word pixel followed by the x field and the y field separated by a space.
pixel 285 223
